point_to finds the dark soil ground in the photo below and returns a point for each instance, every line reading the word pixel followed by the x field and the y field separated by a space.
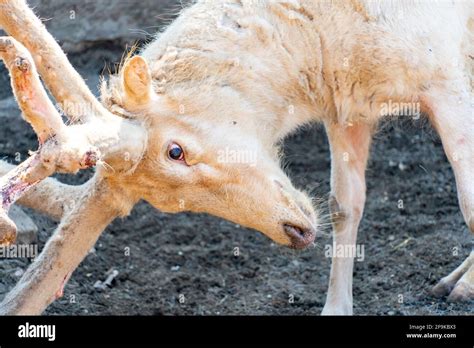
pixel 406 250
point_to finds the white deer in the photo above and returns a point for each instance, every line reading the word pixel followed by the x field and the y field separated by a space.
pixel 235 75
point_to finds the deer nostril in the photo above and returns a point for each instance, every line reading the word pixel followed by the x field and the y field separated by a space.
pixel 300 237
pixel 294 230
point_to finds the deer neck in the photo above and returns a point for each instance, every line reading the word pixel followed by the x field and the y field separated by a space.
pixel 255 51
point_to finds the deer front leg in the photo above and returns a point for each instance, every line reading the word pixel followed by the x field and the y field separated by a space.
pixel 464 275
pixel 453 118
pixel 349 152
pixel 74 237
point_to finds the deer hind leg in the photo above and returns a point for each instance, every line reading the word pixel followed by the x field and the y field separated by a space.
pixel 349 153
pixel 78 231
pixel 453 118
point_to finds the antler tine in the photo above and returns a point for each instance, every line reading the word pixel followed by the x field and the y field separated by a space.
pixel 49 197
pixel 64 82
pixel 65 149
pixel 101 136
pixel 32 98
pixel 59 149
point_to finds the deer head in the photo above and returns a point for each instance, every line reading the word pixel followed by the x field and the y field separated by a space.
pixel 193 147
pixel 198 159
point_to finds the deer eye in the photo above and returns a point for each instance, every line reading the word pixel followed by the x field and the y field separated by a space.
pixel 175 152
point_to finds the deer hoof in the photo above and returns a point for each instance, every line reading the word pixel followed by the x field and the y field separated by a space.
pixel 443 288
pixel 462 292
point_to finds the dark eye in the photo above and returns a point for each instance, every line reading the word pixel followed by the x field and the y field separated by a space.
pixel 175 152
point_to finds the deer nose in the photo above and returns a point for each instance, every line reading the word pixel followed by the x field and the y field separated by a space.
pixel 296 201
pixel 300 237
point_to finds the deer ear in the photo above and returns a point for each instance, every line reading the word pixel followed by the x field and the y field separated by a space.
pixel 136 80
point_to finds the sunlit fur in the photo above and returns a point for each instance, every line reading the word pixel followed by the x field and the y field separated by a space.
pixel 239 75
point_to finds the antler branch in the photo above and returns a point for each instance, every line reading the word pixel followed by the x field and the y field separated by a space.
pixel 64 82
pixel 59 151
pixel 49 197
pixel 65 149
pixel 44 280
pixel 100 138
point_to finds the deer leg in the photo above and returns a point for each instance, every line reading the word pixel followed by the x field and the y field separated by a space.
pixel 349 153
pixel 446 285
pixel 464 288
pixel 76 234
pixel 453 118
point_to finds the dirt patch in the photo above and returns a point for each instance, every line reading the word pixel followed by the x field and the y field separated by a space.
pixel 185 263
